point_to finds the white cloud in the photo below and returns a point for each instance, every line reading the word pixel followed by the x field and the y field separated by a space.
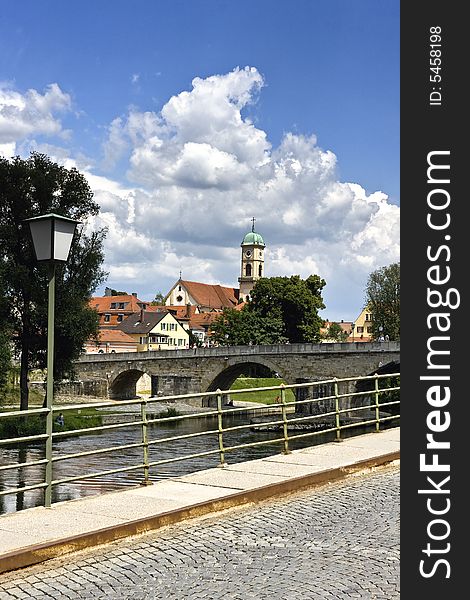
pixel 31 113
pixel 204 171
pixel 197 172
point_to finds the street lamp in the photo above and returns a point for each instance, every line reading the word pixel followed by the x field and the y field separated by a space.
pixel 52 238
pixel 380 333
pixel 352 331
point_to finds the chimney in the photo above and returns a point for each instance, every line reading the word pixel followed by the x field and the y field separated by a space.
pixel 134 294
pixel 107 291
pixel 141 315
pixel 188 310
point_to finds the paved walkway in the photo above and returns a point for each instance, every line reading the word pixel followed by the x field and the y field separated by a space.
pixel 338 541
pixel 37 534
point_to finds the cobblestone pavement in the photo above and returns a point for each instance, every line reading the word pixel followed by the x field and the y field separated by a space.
pixel 340 540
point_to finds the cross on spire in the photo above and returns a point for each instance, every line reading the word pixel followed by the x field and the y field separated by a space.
pixel 253 226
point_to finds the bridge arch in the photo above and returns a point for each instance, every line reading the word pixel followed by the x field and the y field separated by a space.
pixel 224 377
pixel 124 385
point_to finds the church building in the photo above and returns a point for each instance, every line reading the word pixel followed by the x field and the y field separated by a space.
pixel 252 265
pixel 213 297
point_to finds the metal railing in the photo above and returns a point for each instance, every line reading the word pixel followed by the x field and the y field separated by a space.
pixel 340 409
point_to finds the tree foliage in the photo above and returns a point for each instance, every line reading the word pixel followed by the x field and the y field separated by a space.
pixel 294 301
pixel 5 335
pixel 28 188
pixel 281 309
pixel 243 327
pixel 159 299
pixel 383 301
pixel 335 333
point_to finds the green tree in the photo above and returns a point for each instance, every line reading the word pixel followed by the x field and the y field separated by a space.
pixel 281 309
pixel 159 299
pixel 243 327
pixel 335 333
pixel 28 188
pixel 294 301
pixel 383 301
pixel 5 336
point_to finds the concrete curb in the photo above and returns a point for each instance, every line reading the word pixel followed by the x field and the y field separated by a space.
pixel 38 553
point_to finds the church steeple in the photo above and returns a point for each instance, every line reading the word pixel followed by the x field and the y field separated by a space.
pixel 252 261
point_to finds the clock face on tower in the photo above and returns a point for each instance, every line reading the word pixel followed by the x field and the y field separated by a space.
pixel 248 253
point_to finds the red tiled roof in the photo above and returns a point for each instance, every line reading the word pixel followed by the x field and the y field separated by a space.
pixel 212 295
pixel 103 303
pixel 204 320
pixel 114 335
pixel 180 312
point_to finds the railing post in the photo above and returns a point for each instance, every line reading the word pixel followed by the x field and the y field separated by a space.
pixel 220 429
pixel 284 419
pixel 337 413
pixel 377 414
pixel 145 441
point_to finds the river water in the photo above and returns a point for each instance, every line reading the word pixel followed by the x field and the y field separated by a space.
pixel 122 458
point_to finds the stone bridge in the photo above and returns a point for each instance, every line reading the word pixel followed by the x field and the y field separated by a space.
pixel 206 369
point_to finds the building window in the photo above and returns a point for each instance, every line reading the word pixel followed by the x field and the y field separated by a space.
pixel 180 342
pixel 121 305
pixel 369 329
pixel 107 318
pixel 179 298
pixel 163 326
pixel 368 317
pixel 120 317
pixel 113 305
pixel 143 340
pixel 360 330
pixel 179 288
pixel 248 270
pixel 260 271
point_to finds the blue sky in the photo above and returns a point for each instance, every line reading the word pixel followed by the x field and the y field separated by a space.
pixel 106 82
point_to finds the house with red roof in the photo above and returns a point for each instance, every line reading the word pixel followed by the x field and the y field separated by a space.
pixel 152 330
pixel 206 297
pixel 110 341
pixel 113 310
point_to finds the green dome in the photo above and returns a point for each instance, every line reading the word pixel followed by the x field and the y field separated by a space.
pixel 253 238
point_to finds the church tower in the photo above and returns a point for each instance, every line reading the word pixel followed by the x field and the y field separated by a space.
pixel 252 266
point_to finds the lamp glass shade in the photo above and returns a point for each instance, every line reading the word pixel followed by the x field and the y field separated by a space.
pixel 63 236
pixel 52 237
pixel 42 239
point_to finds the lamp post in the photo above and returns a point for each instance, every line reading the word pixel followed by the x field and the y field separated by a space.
pixel 352 331
pixel 380 333
pixel 52 238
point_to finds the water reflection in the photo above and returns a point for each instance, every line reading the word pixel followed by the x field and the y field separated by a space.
pixel 127 457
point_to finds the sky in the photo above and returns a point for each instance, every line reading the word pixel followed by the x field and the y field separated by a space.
pixel 190 117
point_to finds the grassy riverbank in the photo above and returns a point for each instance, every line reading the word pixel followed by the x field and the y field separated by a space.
pixel 267 397
pixel 20 426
